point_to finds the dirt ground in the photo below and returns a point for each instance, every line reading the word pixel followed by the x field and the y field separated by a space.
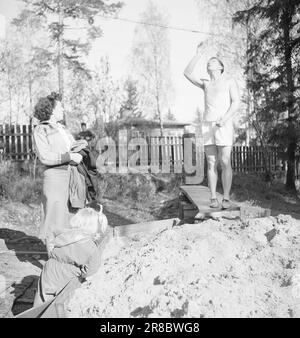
pixel 18 230
pixel 214 269
pixel 237 272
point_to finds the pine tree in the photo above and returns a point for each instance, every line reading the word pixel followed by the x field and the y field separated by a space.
pixel 170 116
pixel 273 73
pixel 60 17
pixel 198 117
pixel 131 103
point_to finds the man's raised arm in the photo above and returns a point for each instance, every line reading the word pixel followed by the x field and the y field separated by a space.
pixel 189 71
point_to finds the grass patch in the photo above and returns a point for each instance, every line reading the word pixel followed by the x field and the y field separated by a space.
pixel 17 186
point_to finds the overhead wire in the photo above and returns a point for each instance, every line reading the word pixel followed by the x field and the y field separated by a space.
pixel 187 30
pixel 154 25
pixel 157 25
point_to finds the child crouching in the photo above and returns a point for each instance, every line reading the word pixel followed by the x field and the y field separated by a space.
pixel 75 253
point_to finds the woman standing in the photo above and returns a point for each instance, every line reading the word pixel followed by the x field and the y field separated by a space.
pixel 53 144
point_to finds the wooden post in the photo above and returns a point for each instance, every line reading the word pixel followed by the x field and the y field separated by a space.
pixel 19 153
pixel 244 160
pixel 178 155
pixel 8 141
pixel 23 142
pixel 29 139
pixel 193 151
pixel 166 155
pixel 154 154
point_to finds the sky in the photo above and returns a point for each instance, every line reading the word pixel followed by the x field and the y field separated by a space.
pixel 117 42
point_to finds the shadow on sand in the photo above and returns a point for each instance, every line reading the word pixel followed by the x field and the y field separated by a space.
pixel 20 243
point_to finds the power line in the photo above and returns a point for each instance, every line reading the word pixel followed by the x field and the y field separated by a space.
pixel 154 25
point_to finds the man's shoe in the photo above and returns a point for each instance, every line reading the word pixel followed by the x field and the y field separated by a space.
pixel 226 204
pixel 214 203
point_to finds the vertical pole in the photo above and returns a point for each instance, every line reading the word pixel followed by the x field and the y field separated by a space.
pixel 30 101
pixel 60 50
pixel 249 97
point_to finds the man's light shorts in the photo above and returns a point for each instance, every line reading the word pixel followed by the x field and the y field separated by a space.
pixel 219 136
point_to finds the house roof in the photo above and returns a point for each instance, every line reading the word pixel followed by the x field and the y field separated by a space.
pixel 140 121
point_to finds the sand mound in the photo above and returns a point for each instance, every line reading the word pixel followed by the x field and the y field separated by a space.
pixel 214 269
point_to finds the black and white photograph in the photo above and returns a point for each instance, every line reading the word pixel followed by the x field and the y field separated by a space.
pixel 149 161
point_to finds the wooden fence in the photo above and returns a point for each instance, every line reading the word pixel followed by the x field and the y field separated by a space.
pixel 251 159
pixel 16 144
pixel 243 159
pixel 167 154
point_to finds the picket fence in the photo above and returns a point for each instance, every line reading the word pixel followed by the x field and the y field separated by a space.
pixel 16 144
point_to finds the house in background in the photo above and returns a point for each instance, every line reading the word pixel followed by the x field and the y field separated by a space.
pixel 142 127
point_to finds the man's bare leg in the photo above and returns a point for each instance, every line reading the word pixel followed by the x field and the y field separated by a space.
pixel 225 160
pixel 211 153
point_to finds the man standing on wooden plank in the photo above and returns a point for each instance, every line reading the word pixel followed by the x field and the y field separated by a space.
pixel 222 100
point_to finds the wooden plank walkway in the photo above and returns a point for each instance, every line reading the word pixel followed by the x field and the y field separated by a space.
pixel 199 196
pixel 147 227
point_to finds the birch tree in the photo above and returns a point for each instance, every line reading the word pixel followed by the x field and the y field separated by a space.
pixel 151 62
